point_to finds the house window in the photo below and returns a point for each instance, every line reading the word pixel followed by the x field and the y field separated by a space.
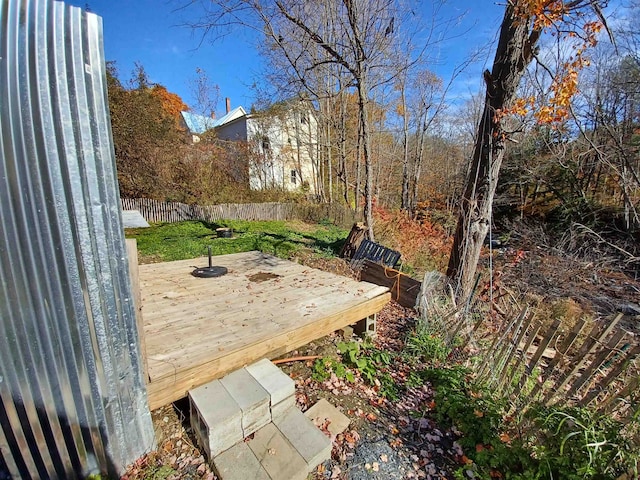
pixel 294 177
pixel 266 146
pixel 303 119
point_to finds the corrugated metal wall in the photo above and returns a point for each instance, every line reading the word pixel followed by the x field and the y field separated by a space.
pixel 72 396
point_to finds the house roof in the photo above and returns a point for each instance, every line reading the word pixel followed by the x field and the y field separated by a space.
pixel 232 115
pixel 199 124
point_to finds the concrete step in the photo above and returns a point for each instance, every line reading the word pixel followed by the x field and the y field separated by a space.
pixel 225 411
pixel 216 418
pixel 313 445
pixel 254 401
pixel 248 425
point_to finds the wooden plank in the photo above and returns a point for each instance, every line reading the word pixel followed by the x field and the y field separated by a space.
pixel 191 322
pixel 561 351
pixel 404 289
pixel 173 387
pixel 169 311
pixel 132 255
pixel 246 317
pixel 550 334
pixel 612 404
pixel 525 351
pixel 589 346
pixel 509 368
pixel 500 368
pixel 490 361
pixel 613 374
pixel 599 359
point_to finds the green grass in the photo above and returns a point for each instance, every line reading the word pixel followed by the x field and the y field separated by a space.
pixel 178 241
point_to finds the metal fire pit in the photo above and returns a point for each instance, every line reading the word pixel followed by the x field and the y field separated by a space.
pixel 210 271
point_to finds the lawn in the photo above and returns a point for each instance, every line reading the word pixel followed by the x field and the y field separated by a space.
pixel 165 242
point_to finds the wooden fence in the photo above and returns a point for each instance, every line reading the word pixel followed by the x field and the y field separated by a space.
pixel 592 363
pixel 155 211
pixel 587 364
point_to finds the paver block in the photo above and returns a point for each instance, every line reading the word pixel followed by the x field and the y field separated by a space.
pixel 216 418
pixel 251 397
pixel 277 456
pixel 322 412
pixel 239 463
pixel 282 407
pixel 307 439
pixel 273 380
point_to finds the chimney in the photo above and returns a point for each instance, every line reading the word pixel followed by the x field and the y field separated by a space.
pixel 228 101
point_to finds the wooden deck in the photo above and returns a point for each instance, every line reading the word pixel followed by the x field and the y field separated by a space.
pixel 198 329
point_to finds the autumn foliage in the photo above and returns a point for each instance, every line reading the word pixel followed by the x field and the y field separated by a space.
pixel 154 154
pixel 569 24
pixel 424 245
pixel 171 103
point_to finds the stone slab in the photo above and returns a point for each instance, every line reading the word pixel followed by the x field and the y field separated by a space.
pixel 307 439
pixel 282 407
pixel 322 412
pixel 273 380
pixel 133 219
pixel 216 418
pixel 251 397
pixel 239 463
pixel 277 456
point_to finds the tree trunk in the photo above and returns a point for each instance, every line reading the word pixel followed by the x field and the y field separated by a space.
pixel 421 132
pixel 404 201
pixel 366 152
pixel 513 54
pixel 358 187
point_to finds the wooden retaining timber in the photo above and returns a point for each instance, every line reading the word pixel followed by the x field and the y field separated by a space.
pixel 403 288
pixel 170 212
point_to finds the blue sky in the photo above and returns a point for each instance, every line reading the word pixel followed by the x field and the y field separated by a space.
pixel 149 31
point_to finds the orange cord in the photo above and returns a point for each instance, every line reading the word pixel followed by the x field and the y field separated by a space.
pixel 294 359
pixel 396 277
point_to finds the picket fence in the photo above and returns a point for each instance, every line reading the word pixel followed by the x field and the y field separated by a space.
pixel 591 363
pixel 170 212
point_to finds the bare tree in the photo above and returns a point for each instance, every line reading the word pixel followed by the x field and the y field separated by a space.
pixel 355 37
pixel 204 93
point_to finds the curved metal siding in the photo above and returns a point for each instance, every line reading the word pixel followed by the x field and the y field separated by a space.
pixel 72 395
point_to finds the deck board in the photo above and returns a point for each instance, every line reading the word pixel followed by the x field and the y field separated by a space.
pixel 199 329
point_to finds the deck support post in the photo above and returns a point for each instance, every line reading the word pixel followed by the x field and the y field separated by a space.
pixel 367 326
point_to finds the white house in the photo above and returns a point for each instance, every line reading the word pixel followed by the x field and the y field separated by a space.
pixel 199 124
pixel 283 142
